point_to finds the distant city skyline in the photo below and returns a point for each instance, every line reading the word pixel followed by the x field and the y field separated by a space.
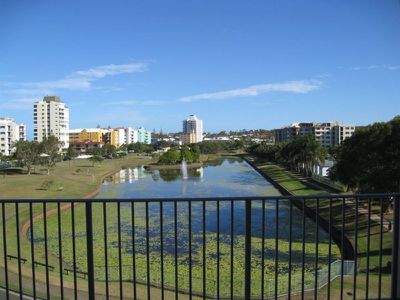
pixel 238 65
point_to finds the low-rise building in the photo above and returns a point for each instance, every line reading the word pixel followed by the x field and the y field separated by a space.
pixel 83 146
pixel 10 133
pixel 328 133
pixel 113 136
pixel 322 169
pixel 86 134
pixel 218 139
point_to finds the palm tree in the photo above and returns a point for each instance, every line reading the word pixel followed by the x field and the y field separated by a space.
pixel 302 153
pixel 312 153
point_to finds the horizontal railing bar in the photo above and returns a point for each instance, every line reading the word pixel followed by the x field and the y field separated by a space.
pixel 199 199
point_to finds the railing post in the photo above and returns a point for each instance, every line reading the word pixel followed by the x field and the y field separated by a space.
pixel 89 247
pixel 247 275
pixel 396 250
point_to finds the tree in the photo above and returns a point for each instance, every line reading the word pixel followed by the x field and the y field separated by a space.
pixel 71 152
pixel 163 144
pixel 310 152
pixel 96 158
pixel 108 150
pixel 267 151
pixel 140 148
pixel 170 157
pixel 26 153
pixel 300 153
pixel 186 155
pixel 237 144
pixel 50 152
pixel 94 151
pixel 209 147
pixel 369 161
pixel 195 152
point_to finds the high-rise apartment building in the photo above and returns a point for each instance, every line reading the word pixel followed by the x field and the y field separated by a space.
pixel 51 117
pixel 131 135
pixel 328 133
pixel 10 133
pixel 193 125
pixel 144 136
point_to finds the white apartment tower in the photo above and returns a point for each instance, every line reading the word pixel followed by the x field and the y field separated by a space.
pixel 10 133
pixel 51 117
pixel 131 135
pixel 193 125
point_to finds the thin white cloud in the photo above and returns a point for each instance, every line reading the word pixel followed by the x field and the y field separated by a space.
pixel 376 67
pixel 80 80
pixel 110 70
pixel 297 87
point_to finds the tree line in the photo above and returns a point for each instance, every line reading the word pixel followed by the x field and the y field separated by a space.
pixel 366 162
pixel 175 156
pixel 46 153
pixel 369 161
pixel 191 153
pixel 299 154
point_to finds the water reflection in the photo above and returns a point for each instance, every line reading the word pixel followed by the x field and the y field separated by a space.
pixel 128 175
pixel 220 177
pixel 169 175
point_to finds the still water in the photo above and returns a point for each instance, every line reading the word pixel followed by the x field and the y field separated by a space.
pixel 226 177
pixel 220 178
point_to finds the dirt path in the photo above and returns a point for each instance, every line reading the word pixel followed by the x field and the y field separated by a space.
pixel 26 226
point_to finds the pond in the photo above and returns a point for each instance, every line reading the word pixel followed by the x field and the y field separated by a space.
pixel 226 177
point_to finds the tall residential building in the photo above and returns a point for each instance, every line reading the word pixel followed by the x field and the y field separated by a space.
pixel 328 133
pixel 10 133
pixel 144 136
pixel 193 125
pixel 131 135
pixel 120 136
pixel 51 117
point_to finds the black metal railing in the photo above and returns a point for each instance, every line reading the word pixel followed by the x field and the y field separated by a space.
pixel 328 247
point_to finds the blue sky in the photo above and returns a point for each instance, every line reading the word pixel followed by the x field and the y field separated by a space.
pixel 236 64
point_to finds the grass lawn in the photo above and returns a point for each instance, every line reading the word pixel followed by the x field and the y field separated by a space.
pixel 68 179
pixel 295 186
pixel 288 180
